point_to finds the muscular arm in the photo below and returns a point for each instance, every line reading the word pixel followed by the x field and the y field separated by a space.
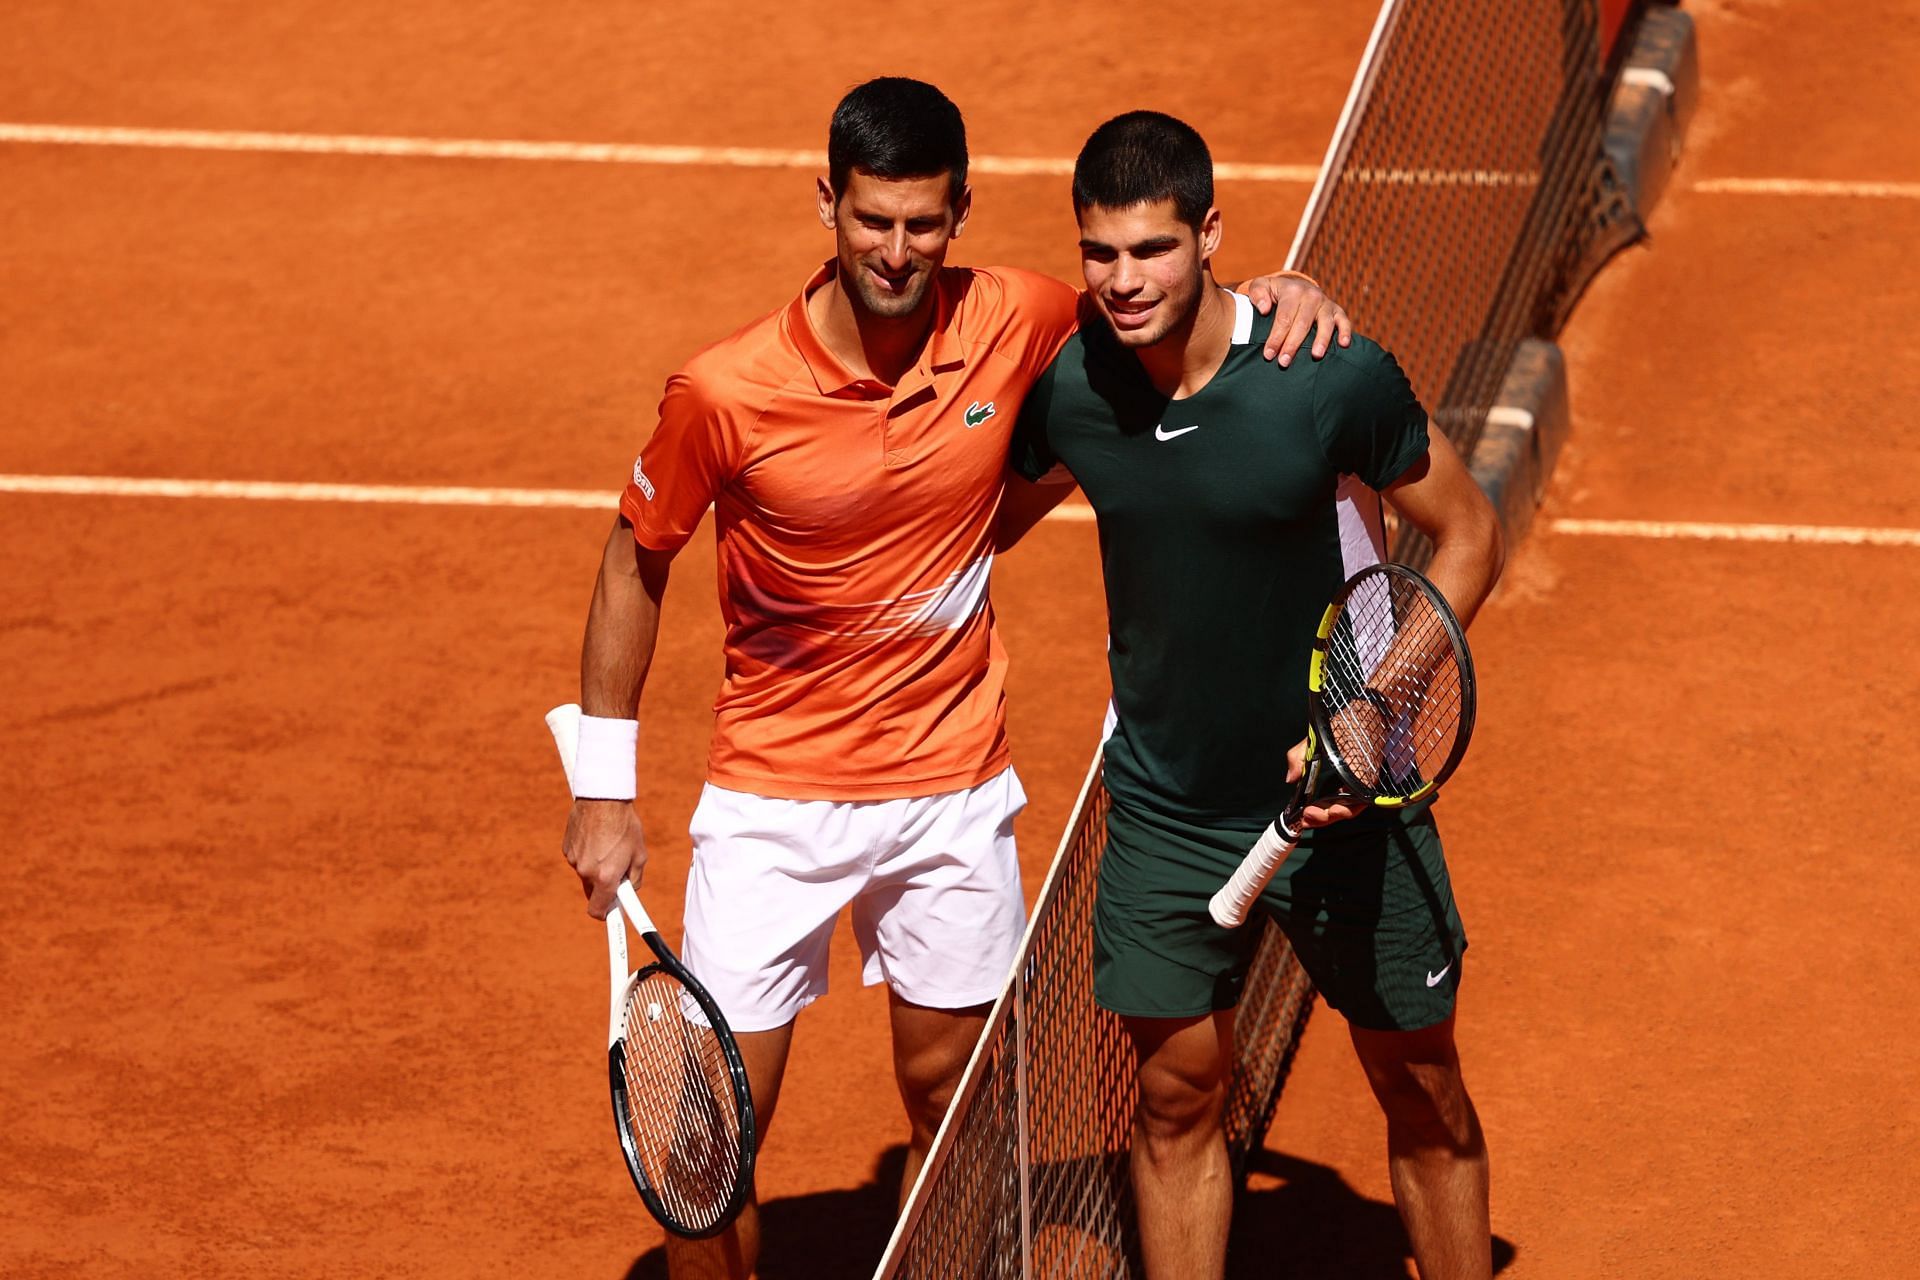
pixel 1438 496
pixel 1025 504
pixel 622 624
pixel 603 843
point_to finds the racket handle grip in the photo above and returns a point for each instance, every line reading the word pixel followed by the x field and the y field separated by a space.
pixel 1229 907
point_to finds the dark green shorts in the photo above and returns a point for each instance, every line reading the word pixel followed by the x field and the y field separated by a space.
pixel 1370 912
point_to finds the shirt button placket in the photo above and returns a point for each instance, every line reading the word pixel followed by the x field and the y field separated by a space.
pixel 890 456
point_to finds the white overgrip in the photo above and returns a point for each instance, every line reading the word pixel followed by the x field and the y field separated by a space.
pixel 1229 907
pixel 630 901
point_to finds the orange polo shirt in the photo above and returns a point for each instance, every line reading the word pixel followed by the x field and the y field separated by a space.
pixel 855 533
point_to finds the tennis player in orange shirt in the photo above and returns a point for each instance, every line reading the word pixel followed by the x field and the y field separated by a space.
pixel 853 447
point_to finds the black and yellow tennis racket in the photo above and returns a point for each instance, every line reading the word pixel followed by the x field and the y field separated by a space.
pixel 1390 706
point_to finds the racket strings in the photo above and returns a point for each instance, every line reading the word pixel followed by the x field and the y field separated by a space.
pixel 1391 684
pixel 681 1101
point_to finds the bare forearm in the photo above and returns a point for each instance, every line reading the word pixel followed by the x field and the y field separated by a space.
pixel 622 625
pixel 1438 496
pixel 1466 563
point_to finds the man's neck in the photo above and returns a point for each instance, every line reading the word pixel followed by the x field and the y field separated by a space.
pixel 1187 358
pixel 870 346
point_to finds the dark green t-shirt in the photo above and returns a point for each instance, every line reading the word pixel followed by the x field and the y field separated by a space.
pixel 1225 528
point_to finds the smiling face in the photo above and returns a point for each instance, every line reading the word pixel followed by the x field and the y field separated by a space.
pixel 1145 268
pixel 890 236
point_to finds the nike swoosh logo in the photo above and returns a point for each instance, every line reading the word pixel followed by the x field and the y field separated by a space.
pixel 1161 433
pixel 1433 979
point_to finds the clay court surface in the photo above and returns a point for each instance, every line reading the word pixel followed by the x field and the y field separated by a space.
pixel 296 981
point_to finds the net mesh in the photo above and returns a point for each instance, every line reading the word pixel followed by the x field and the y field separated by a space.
pixel 1459 210
pixel 1466 201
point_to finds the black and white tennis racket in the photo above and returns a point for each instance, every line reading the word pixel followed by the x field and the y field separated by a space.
pixel 1390 706
pixel 681 1104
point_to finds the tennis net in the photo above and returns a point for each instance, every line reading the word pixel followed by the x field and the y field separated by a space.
pixel 1463 196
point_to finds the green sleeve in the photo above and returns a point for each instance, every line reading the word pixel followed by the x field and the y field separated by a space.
pixel 1370 422
pixel 1029 453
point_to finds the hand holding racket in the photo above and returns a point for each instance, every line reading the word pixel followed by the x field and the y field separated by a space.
pixel 1390 706
pixel 681 1104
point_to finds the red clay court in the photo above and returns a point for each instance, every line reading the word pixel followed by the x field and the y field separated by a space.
pixel 298 983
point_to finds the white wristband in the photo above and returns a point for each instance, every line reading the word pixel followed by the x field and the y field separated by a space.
pixel 605 766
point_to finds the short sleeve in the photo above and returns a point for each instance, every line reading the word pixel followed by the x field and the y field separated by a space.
pixel 1029 454
pixel 1042 314
pixel 1370 422
pixel 684 465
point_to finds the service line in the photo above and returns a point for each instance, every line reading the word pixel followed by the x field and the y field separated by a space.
pixel 1838 535
pixel 352 144
pixel 358 144
pixel 606 500
pixel 1807 187
pixel 409 495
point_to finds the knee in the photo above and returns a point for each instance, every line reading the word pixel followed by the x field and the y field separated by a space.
pixel 927 1083
pixel 1177 1109
pixel 1426 1104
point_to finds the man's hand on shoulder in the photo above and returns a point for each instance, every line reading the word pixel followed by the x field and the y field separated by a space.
pixel 1298 305
pixel 604 846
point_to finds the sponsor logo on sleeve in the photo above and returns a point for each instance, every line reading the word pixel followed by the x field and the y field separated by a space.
pixel 641 482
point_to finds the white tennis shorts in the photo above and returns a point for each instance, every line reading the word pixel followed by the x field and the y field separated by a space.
pixel 933 882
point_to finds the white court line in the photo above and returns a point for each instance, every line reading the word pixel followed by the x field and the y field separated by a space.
pixel 1841 535
pixel 598 500
pixel 281 491
pixel 398 494
pixel 351 144
pixel 356 144
pixel 1807 187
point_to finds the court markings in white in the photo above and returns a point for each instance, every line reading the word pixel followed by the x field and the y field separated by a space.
pixel 1807 187
pixel 353 144
pixel 607 500
pixel 291 491
pixel 1832 535
pixel 512 149
pixel 406 495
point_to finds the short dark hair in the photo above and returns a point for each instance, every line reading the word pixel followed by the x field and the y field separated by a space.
pixel 894 128
pixel 1142 157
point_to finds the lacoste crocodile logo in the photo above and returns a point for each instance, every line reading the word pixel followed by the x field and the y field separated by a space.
pixel 978 413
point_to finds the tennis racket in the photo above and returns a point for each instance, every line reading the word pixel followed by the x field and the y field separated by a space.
pixel 681 1104
pixel 1390 706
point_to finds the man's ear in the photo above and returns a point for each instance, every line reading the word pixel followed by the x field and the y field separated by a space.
pixel 1210 234
pixel 823 196
pixel 961 209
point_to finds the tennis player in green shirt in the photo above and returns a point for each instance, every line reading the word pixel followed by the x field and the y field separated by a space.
pixel 1233 498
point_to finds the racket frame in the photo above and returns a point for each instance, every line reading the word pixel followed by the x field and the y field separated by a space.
pixel 563 722
pixel 1319 726
pixel 622 985
pixel 1322 749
